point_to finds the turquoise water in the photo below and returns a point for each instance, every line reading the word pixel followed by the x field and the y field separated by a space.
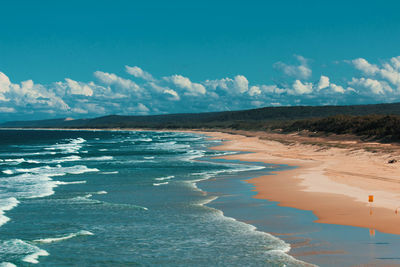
pixel 91 198
pixel 106 198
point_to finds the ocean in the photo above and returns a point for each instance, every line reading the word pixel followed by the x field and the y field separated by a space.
pixel 122 198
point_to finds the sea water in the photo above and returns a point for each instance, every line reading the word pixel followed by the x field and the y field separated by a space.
pixel 122 198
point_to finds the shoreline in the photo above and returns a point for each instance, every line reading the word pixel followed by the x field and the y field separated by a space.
pixel 332 178
pixel 334 183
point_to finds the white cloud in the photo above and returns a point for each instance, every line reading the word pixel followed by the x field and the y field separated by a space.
pixel 142 108
pixel 254 90
pixel 111 94
pixel 4 86
pixel 238 85
pixel 79 88
pixel 139 109
pixel 375 86
pixel 241 83
pixel 301 71
pixel 4 83
pixel 302 88
pixel 79 111
pixel 193 89
pixel 337 88
pixel 395 61
pixel 272 89
pixel 323 82
pixel 388 70
pixel 173 95
pixel 139 73
pixel 365 66
pixel 257 103
pixel 112 79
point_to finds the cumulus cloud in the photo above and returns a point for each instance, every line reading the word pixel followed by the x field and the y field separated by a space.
pixel 388 71
pixel 79 88
pixel 238 85
pixel 140 109
pixel 337 88
pixel 302 88
pixel 323 82
pixel 241 83
pixel 254 90
pixel 112 79
pixel 112 94
pixel 172 94
pixel 273 89
pixel 301 71
pixel 4 86
pixel 139 73
pixel 374 86
pixel 193 89
pixel 365 66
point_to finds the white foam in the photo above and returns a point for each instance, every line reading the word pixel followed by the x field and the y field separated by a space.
pixel 7 264
pixel 143 140
pixel 101 192
pixel 8 172
pixel 62 238
pixel 158 184
pixel 37 182
pixel 169 146
pixel 148 157
pixel 276 246
pixel 18 161
pixel 165 178
pixel 65 159
pixel 103 149
pixel 194 154
pixel 74 182
pixel 113 172
pixel 28 252
pixel 102 158
pixel 7 204
pixel 33 258
pixel 32 161
pixel 86 199
pixel 24 154
pixel 206 201
pixel 72 147
pixel 57 171
pixel 15 160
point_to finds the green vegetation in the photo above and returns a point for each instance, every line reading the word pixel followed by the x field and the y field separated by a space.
pixel 378 127
pixel 380 122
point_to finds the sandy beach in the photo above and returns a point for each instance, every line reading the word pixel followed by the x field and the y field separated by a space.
pixel 334 177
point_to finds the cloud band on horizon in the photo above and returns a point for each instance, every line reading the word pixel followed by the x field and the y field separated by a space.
pixel 141 93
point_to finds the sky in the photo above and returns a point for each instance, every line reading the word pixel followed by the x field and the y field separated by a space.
pixel 82 59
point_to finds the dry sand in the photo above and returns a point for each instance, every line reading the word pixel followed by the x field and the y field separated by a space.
pixel 334 177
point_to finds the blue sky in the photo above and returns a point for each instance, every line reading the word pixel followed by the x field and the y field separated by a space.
pixel 92 58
